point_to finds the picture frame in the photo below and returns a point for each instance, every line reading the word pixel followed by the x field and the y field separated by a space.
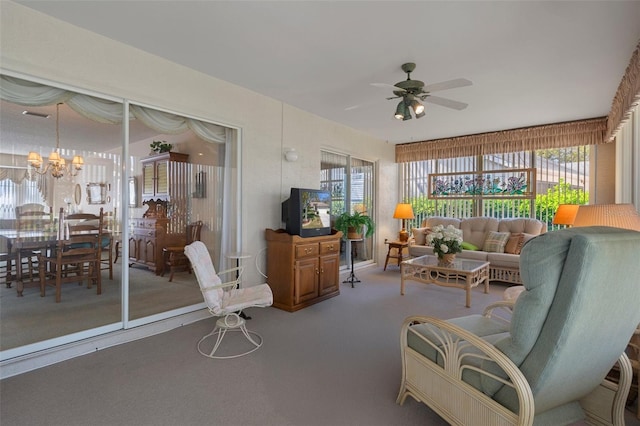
pixel 96 193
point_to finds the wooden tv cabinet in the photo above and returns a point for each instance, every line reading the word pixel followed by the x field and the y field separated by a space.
pixel 302 271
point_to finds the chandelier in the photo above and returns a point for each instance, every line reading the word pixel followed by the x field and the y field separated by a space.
pixel 56 164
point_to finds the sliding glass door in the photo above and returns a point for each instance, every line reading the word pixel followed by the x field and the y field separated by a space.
pixel 148 199
pixel 352 185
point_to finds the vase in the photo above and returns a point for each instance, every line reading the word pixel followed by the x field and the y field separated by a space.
pixel 448 258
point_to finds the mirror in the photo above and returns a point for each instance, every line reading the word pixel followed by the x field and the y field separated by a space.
pixel 96 193
pixel 77 195
pixel 133 196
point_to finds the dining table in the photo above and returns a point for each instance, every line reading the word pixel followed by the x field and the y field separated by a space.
pixel 32 240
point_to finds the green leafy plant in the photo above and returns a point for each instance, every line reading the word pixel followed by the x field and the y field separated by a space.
pixel 355 221
pixel 160 146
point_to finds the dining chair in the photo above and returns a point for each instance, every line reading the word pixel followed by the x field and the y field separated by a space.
pixel 7 260
pixel 30 217
pixel 174 256
pixel 77 254
pixel 106 260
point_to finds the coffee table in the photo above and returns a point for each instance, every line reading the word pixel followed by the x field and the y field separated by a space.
pixel 462 273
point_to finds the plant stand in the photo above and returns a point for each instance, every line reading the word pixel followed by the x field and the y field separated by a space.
pixel 352 277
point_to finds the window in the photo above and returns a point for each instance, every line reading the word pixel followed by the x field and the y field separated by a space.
pixel 562 177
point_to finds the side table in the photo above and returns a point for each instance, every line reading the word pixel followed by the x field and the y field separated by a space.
pixel 400 246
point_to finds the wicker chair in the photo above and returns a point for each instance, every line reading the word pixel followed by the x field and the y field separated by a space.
pixel 226 300
pixel 549 362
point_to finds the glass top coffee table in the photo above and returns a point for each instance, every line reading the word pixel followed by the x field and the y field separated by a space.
pixel 462 273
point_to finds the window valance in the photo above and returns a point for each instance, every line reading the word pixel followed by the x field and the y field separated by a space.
pixel 28 93
pixel 626 98
pixel 559 135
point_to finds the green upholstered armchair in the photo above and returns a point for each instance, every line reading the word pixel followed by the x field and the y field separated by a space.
pixel 548 364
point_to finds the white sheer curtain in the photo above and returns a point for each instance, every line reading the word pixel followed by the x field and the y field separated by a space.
pixel 23 92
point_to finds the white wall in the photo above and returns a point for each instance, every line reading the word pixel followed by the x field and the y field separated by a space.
pixel 36 45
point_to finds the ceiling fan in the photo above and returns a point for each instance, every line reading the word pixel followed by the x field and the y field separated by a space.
pixel 414 92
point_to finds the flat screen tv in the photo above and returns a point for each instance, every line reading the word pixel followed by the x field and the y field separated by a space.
pixel 307 212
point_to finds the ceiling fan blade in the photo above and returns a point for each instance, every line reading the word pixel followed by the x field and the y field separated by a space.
pixel 445 102
pixel 444 85
pixel 388 86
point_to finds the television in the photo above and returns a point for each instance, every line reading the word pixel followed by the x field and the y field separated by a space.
pixel 307 212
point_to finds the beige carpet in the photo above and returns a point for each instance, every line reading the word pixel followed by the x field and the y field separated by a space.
pixel 334 363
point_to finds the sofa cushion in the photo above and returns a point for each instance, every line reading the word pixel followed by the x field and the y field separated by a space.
pixel 468 246
pixel 473 255
pixel 514 244
pixel 430 222
pixel 475 229
pixel 496 241
pixel 504 260
pixel 416 251
pixel 523 224
pixel 420 235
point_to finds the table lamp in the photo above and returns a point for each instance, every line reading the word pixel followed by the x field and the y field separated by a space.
pixel 614 215
pixel 403 211
pixel 565 215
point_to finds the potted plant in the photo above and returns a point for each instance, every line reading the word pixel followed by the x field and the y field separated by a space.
pixel 446 242
pixel 160 146
pixel 351 225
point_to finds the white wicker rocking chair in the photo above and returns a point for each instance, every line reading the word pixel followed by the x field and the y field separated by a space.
pixel 226 300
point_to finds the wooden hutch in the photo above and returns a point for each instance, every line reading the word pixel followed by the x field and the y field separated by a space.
pixel 165 189
pixel 302 271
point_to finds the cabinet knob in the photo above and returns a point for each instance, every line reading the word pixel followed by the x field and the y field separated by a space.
pixel 317 272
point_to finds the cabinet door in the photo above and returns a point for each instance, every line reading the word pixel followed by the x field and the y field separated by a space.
pixel 148 179
pixel 133 248
pixel 149 251
pixel 329 267
pixel 162 178
pixel 305 286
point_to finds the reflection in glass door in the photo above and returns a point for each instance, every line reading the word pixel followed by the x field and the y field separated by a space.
pixel 176 191
pixel 29 319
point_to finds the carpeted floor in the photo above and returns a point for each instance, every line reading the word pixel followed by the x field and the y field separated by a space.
pixel 334 363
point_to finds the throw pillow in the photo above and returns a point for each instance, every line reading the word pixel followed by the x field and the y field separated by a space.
pixel 468 246
pixel 514 244
pixel 420 235
pixel 496 241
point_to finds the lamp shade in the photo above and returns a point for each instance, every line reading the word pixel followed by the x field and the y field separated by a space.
pixel 565 215
pixel 614 215
pixel 403 211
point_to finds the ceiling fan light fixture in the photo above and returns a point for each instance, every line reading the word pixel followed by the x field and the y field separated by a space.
pixel 401 111
pixel 418 108
pixel 420 115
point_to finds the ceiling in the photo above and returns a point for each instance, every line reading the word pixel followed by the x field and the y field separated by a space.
pixel 530 62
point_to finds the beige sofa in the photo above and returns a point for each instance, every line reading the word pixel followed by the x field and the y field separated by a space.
pixel 504 258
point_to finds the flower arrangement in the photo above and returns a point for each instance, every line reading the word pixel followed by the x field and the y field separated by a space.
pixel 445 240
